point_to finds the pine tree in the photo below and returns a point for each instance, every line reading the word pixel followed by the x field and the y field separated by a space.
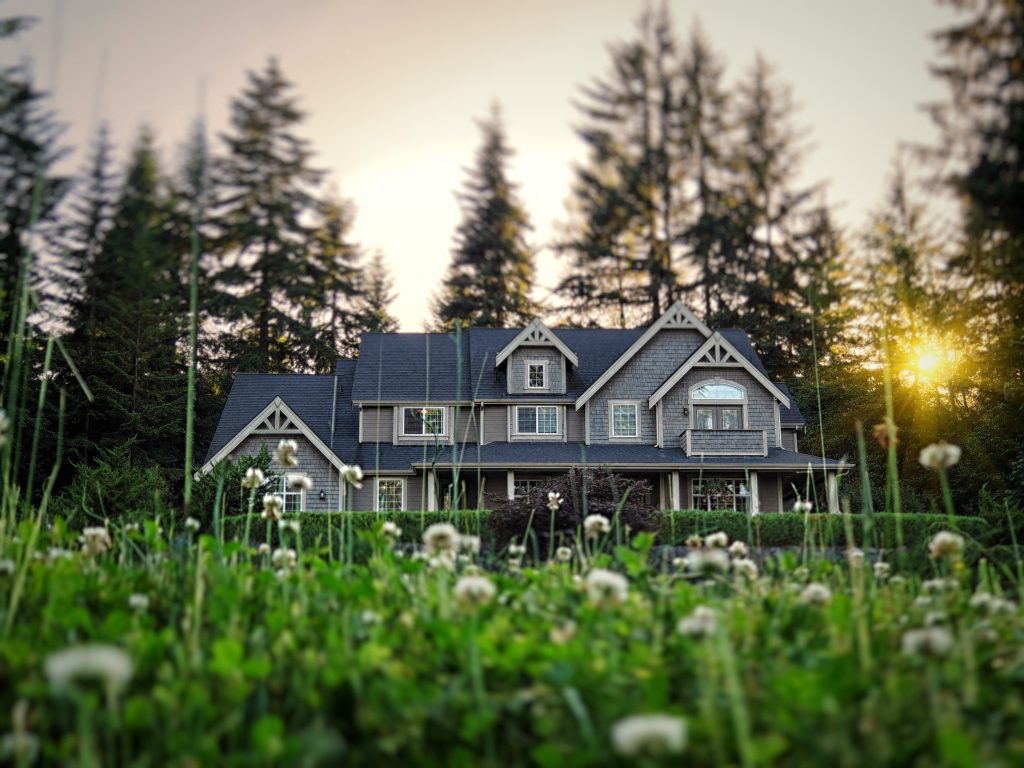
pixel 625 200
pixel 375 298
pixel 264 218
pixel 135 365
pixel 489 280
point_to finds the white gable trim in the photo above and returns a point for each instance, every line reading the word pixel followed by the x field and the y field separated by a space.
pixel 677 317
pixel 717 351
pixel 536 334
pixel 277 418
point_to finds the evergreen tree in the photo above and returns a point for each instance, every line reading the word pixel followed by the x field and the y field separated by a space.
pixel 489 280
pixel 376 297
pixel 625 203
pixel 264 219
pixel 134 363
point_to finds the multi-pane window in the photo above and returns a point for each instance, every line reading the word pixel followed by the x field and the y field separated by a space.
pixel 292 498
pixel 624 420
pixel 390 495
pixel 718 417
pixel 717 493
pixel 423 421
pixel 536 375
pixel 537 419
pixel 522 486
pixel 717 391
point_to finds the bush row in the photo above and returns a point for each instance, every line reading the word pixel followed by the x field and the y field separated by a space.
pixel 790 529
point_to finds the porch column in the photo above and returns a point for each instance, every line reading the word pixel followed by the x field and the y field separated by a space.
pixel 511 484
pixel 833 492
pixel 677 500
pixel 755 497
pixel 431 492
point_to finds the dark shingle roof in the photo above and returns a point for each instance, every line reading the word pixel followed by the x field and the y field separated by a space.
pixel 308 395
pixel 417 367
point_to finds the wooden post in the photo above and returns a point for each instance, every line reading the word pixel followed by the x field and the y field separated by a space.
pixel 755 499
pixel 833 493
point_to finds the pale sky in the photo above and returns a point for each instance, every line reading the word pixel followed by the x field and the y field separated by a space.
pixel 392 89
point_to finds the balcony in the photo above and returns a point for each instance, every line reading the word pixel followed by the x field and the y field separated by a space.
pixel 724 442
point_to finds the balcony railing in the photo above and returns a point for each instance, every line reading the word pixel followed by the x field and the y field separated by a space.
pixel 724 442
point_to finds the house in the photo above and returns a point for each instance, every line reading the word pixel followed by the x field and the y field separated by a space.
pixel 436 418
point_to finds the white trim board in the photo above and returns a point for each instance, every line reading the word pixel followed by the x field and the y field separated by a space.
pixel 536 334
pixel 677 317
pixel 293 425
pixel 716 345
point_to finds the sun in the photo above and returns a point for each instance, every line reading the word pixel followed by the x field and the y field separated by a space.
pixel 930 360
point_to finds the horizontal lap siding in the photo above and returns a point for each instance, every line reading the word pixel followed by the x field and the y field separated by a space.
pixel 312 464
pixel 575 424
pixel 466 424
pixel 495 424
pixel 378 424
pixel 768 491
pixel 789 439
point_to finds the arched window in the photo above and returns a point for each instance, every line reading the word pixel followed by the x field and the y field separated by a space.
pixel 717 404
pixel 717 390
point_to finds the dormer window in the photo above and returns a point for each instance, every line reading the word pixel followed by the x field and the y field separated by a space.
pixel 423 421
pixel 536 375
pixel 717 405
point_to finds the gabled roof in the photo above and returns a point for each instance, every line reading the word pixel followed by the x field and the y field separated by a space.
pixel 717 351
pixel 677 317
pixel 536 334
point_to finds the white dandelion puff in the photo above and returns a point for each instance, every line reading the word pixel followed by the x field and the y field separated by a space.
pixel 253 479
pixel 940 455
pixel 606 587
pixel 285 455
pixel 595 525
pixel 474 590
pixel 815 593
pixel 106 664
pixel 648 735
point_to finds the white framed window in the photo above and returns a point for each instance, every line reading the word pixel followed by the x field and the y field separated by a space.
pixel 294 500
pixel 390 494
pixel 536 419
pixel 624 419
pixel 718 493
pixel 536 374
pixel 718 404
pixel 424 421
pixel 521 486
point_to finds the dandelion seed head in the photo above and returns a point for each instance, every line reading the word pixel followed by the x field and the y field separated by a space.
pixel 138 601
pixel 803 507
pixel 95 540
pixel 881 570
pixel 296 482
pixel 106 664
pixel 440 538
pixel 272 506
pixel 717 540
pixel 286 453
pixel 595 525
pixel 745 567
pixel 191 524
pixel 390 530
pixel 562 633
pixel 563 554
pixel 353 475
pixel 699 624
pixel 474 590
pixel 816 594
pixel 928 641
pixel 945 544
pixel 707 562
pixel 739 549
pixel 606 587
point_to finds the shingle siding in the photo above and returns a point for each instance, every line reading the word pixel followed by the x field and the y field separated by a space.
pixel 312 464
pixel 760 406
pixel 516 375
pixel 639 378
pixel 734 441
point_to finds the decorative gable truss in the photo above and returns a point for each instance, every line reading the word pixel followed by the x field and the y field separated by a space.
pixel 677 318
pixel 536 334
pixel 716 352
pixel 276 419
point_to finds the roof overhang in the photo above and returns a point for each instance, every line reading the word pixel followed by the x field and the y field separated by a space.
pixel 536 334
pixel 716 352
pixel 277 420
pixel 678 317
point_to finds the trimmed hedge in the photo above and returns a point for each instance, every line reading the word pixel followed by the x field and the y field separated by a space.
pixel 787 529
pixel 315 526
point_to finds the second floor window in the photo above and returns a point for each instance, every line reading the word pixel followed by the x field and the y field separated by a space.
pixel 717 417
pixel 423 421
pixel 717 404
pixel 624 420
pixel 536 375
pixel 537 419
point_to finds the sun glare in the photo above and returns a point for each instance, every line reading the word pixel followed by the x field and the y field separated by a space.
pixel 930 360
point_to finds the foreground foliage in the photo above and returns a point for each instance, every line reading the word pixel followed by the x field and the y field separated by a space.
pixel 229 655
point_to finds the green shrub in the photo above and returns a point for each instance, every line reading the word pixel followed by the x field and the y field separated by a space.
pixel 113 487
pixel 234 498
pixel 788 529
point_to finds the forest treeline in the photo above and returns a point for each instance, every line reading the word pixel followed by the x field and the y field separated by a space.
pixel 691 189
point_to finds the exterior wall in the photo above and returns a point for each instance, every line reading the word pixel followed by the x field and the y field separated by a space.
pixel 415 492
pixel 575 424
pixel 639 378
pixel 768 491
pixel 789 439
pixel 378 424
pixel 558 437
pixel 726 441
pixel 312 463
pixel 516 372
pixel 466 425
pixel 760 405
pixel 495 429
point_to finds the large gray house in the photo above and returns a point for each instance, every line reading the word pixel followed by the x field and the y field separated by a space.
pixel 435 419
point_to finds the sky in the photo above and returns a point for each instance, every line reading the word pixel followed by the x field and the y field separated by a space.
pixel 392 90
